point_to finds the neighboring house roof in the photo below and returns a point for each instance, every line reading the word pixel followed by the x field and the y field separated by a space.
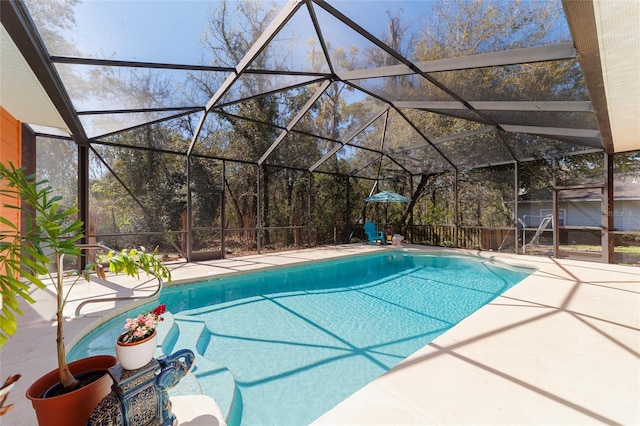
pixel 625 187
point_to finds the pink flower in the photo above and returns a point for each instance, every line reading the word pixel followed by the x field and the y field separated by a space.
pixel 143 325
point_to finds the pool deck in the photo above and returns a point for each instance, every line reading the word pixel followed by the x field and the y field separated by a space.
pixel 562 347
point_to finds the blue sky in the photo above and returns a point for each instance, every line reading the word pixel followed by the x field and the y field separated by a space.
pixel 168 31
pixel 140 30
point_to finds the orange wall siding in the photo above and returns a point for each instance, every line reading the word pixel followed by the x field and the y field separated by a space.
pixel 10 138
pixel 10 150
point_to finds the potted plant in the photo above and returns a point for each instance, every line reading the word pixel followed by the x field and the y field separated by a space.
pixel 389 235
pixel 54 230
pixel 135 347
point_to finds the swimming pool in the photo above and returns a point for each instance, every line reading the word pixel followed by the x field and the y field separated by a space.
pixel 299 340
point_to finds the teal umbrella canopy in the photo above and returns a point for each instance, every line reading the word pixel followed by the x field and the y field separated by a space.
pixel 387 197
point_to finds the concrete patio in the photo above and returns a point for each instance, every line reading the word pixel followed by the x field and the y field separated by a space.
pixel 561 347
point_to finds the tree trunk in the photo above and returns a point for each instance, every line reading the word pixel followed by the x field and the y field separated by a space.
pixel 236 206
pixel 424 180
pixel 265 205
pixel 66 378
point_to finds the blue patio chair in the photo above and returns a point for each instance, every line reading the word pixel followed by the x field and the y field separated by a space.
pixel 372 234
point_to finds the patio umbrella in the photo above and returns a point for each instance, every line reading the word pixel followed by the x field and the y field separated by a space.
pixel 387 197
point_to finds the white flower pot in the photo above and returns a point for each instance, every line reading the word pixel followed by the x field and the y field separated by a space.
pixel 132 356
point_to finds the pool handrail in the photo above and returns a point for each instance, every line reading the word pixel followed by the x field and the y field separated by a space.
pixel 113 298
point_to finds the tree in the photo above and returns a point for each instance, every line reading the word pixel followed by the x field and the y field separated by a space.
pixel 461 28
pixel 52 19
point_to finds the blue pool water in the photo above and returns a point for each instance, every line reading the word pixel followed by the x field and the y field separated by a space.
pixel 299 340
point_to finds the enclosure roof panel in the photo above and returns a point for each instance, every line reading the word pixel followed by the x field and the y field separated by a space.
pixel 350 86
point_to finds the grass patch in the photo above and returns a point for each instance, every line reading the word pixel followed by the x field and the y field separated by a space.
pixel 598 249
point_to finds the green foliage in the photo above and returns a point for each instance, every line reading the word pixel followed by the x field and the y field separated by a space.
pixel 436 214
pixel 150 192
pixel 51 235
pixel 628 163
pixel 132 261
pixel 486 197
pixel 23 254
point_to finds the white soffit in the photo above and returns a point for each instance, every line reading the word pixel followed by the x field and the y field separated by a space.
pixel 617 24
pixel 21 94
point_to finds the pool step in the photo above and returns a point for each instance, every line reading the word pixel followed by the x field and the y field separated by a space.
pixel 184 332
pixel 168 333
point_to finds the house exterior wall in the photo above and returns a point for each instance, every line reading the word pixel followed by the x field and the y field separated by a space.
pixel 584 213
pixel 533 212
pixel 10 138
pixel 626 215
pixel 10 151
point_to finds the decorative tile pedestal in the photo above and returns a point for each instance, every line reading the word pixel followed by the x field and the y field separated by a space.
pixel 138 394
pixel 139 397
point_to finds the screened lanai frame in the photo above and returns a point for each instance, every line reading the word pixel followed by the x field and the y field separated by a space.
pixel 500 123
